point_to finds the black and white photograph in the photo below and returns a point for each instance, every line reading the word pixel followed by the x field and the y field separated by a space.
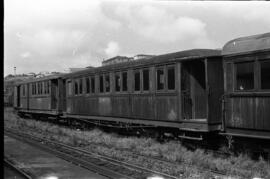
pixel 126 89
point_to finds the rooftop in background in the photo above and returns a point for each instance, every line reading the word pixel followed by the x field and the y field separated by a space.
pixel 121 59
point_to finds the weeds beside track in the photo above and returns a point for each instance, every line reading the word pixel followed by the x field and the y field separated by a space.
pixel 104 165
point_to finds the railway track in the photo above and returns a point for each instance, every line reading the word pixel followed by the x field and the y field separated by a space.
pixel 103 165
pixel 94 147
pixel 19 173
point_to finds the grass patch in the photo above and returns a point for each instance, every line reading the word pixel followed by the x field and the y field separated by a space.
pixel 241 166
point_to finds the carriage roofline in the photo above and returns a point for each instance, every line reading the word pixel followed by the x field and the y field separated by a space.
pixel 242 45
pixel 50 77
pixel 170 57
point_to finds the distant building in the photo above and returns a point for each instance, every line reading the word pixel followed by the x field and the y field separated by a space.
pixel 142 56
pixel 121 59
pixel 117 59
pixel 75 69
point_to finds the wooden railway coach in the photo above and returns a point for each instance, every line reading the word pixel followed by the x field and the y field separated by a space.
pixel 180 90
pixel 40 96
pixel 247 86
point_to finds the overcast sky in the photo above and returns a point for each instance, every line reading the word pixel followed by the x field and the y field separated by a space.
pixel 54 35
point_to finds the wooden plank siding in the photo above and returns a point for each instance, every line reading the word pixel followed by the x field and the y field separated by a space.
pixel 248 113
pixel 246 110
pixel 153 105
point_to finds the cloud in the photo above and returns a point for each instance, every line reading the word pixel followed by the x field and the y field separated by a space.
pixel 112 49
pixel 25 54
pixel 160 25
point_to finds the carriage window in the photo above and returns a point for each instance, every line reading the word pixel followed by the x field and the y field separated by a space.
pixel 265 75
pixel 92 84
pixel 69 88
pixel 35 85
pixel 45 87
pixel 160 79
pixel 23 90
pixel 87 82
pixel 76 87
pixel 245 76
pixel 146 80
pixel 38 87
pixel 171 78
pixel 117 82
pixel 48 87
pixel 107 83
pixel 81 86
pixel 41 88
pixel 124 81
pixel 32 88
pixel 137 80
pixel 101 90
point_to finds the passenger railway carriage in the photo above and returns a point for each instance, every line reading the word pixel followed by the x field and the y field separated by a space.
pixel 180 90
pixel 40 96
pixel 247 86
pixel 191 93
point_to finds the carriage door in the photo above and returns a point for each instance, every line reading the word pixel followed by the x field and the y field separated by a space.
pixel 194 94
pixel 54 96
pixel 185 90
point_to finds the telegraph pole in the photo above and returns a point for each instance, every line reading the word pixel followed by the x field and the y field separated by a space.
pixel 14 71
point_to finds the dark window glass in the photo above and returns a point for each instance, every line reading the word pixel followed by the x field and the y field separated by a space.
pixel 117 82
pixel 38 87
pixel 76 87
pixel 107 83
pixel 245 76
pixel 265 75
pixel 160 79
pixel 92 84
pixel 35 85
pixel 87 82
pixel 41 88
pixel 101 90
pixel 32 87
pixel 171 78
pixel 69 88
pixel 48 87
pixel 45 87
pixel 146 80
pixel 81 86
pixel 124 81
pixel 23 90
pixel 137 81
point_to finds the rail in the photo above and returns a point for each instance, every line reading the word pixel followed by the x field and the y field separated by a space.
pixel 103 165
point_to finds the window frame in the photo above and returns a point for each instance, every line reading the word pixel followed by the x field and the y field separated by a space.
pixel 120 82
pixel 260 74
pixel 87 79
pixel 69 88
pixel 255 87
pixel 134 82
pixel 105 81
pixel 163 67
pixel 149 79
pixel 75 82
pixel 173 66
pixel 91 84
